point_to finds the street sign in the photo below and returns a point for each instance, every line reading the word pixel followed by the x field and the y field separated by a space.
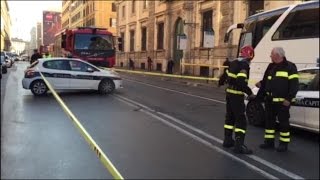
pixel 208 39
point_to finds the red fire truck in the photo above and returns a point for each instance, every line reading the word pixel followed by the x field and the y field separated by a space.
pixel 94 45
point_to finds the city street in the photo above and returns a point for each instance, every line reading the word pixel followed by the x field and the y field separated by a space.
pixel 152 128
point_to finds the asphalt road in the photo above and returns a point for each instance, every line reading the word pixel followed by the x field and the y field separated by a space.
pixel 149 129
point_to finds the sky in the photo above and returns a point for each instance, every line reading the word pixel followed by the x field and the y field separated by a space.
pixel 25 14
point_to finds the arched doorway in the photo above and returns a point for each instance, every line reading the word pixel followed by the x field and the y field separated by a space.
pixel 177 54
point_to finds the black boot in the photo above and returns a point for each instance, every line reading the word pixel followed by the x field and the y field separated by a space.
pixel 283 147
pixel 268 144
pixel 239 147
pixel 228 141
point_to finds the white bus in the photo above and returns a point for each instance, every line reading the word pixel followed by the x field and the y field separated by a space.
pixel 295 28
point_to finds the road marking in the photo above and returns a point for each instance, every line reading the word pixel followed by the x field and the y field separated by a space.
pixel 93 145
pixel 180 92
pixel 254 157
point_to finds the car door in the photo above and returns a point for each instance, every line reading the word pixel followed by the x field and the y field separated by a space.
pixel 57 73
pixel 307 100
pixel 81 77
pixel 310 94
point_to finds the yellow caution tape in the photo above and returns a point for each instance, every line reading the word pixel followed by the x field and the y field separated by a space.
pixel 169 75
pixel 93 145
pixel 207 65
pixel 161 74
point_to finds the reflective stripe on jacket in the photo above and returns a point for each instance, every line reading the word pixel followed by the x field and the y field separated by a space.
pixel 280 82
pixel 238 75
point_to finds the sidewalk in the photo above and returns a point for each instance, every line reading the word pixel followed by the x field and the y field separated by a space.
pixel 163 76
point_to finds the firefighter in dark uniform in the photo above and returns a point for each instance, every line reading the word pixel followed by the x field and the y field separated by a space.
pixel 238 75
pixel 278 89
pixel 224 76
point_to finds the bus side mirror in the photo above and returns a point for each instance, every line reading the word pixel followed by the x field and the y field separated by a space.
pixel 63 41
pixel 120 46
pixel 226 37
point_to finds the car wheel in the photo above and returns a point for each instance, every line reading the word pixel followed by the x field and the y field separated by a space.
pixel 10 64
pixel 38 88
pixel 106 86
pixel 255 113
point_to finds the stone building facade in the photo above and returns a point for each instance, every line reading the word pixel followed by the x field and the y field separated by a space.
pixel 152 28
pixel 39 34
pixel 82 13
pixel 5 43
pixel 18 45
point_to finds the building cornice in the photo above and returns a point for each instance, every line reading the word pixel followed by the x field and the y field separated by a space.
pixel 144 19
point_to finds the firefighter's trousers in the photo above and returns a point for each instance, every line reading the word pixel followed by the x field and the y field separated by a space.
pixel 235 117
pixel 275 110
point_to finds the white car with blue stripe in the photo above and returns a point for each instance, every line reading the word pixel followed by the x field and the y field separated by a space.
pixel 69 74
pixel 304 112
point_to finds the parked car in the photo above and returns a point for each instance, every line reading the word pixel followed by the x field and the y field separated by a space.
pixel 304 112
pixel 3 64
pixel 25 57
pixel 8 59
pixel 15 57
pixel 69 73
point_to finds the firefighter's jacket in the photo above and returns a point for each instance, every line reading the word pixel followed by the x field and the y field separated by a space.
pixel 280 82
pixel 47 56
pixel 238 75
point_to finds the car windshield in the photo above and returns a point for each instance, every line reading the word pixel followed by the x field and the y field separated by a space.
pixel 93 42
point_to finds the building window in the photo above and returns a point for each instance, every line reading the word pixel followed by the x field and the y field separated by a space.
pixel 160 35
pixel 206 23
pixel 132 40
pixel 123 40
pixel 144 39
pixel 145 4
pixel 113 7
pixel 123 11
pixel 133 7
pixel 113 22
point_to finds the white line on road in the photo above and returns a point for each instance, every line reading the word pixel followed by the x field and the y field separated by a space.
pixel 256 158
pixel 188 94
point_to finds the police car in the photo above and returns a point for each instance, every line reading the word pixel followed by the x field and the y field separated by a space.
pixel 69 74
pixel 304 112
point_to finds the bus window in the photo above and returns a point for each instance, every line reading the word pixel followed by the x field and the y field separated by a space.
pixel 264 23
pixel 258 25
pixel 302 22
pixel 246 34
pixel 246 39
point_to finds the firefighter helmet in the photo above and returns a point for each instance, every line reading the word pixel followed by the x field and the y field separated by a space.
pixel 247 52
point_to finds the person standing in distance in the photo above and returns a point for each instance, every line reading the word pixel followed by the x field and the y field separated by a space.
pixel 35 56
